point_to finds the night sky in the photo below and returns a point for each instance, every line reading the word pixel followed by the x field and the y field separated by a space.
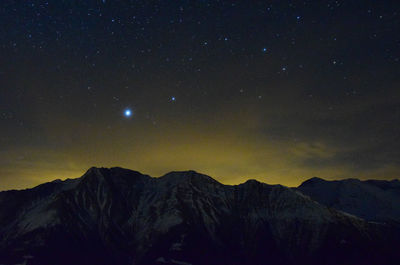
pixel 278 91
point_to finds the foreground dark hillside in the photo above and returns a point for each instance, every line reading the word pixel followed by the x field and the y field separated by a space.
pixel 119 216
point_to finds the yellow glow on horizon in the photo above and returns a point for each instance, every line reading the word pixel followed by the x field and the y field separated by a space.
pixel 229 148
pixel 229 158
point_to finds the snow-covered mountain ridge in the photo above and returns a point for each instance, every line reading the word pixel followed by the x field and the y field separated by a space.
pixel 119 216
pixel 373 200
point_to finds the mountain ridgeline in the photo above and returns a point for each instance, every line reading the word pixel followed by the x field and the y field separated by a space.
pixel 119 216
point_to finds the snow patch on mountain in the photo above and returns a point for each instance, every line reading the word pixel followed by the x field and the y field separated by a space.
pixel 372 200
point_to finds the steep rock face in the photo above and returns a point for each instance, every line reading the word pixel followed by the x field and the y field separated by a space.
pixel 119 216
pixel 374 200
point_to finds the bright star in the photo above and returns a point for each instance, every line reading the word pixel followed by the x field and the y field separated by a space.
pixel 264 49
pixel 173 98
pixel 128 113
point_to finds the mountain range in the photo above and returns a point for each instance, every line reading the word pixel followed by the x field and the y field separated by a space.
pixel 120 216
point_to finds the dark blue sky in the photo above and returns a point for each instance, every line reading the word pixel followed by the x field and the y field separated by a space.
pixel 275 90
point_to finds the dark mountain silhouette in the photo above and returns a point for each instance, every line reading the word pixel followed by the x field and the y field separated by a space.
pixel 119 216
pixel 372 200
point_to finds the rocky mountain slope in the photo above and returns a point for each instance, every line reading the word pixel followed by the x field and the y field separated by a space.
pixel 119 216
pixel 373 200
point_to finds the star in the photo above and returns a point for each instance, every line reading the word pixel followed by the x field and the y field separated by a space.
pixel 127 113
pixel 173 98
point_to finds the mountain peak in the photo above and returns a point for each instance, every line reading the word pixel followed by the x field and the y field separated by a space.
pixel 115 171
pixel 188 176
pixel 183 173
pixel 252 182
pixel 313 181
pixel 373 200
pixel 112 176
pixel 95 171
